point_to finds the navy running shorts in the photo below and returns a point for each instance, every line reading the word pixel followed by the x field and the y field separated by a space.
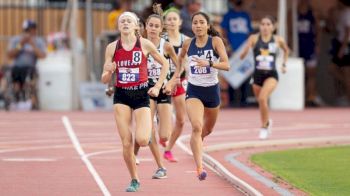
pixel 209 96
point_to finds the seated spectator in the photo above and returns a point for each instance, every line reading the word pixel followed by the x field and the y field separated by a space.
pixel 25 49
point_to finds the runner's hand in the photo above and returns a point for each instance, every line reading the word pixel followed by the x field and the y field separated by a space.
pixel 169 88
pixel 201 62
pixel 154 91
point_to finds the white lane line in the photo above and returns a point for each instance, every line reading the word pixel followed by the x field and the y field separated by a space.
pixel 83 157
pixel 102 152
pixel 218 168
pixel 62 140
pixel 94 155
pixel 28 160
pixel 3 151
pixel 275 128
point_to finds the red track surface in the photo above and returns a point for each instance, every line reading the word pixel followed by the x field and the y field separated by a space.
pixel 37 156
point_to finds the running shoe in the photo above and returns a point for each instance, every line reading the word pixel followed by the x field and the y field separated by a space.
pixel 201 174
pixel 160 174
pixel 169 156
pixel 134 186
pixel 264 133
pixel 137 161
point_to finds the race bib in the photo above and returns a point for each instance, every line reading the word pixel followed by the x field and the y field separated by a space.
pixel 264 65
pixel 154 72
pixel 128 74
pixel 264 62
pixel 200 70
pixel 136 57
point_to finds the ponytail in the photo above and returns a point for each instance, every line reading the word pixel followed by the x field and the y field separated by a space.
pixel 212 32
pixel 137 33
pixel 157 9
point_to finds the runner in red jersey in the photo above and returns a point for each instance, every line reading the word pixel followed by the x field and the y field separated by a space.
pixel 131 65
pixel 127 58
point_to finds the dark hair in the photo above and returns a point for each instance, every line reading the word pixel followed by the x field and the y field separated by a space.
pixel 158 13
pixel 345 2
pixel 211 30
pixel 271 18
pixel 142 26
pixel 238 2
pixel 28 25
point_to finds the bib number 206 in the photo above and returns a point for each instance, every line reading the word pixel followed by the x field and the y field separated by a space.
pixel 200 70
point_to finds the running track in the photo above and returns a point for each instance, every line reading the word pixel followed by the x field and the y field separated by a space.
pixel 45 153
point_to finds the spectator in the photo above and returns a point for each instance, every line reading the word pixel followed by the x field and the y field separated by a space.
pixel 340 66
pixel 25 49
pixel 237 27
pixel 191 7
pixel 2 82
pixel 118 8
pixel 308 34
pixel 176 4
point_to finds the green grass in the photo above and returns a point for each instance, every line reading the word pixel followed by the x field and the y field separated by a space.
pixel 317 171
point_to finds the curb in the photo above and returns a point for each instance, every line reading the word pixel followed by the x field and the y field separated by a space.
pixel 281 142
pixel 218 168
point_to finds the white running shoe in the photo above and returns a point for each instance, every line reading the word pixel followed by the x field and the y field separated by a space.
pixel 264 133
pixel 137 161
